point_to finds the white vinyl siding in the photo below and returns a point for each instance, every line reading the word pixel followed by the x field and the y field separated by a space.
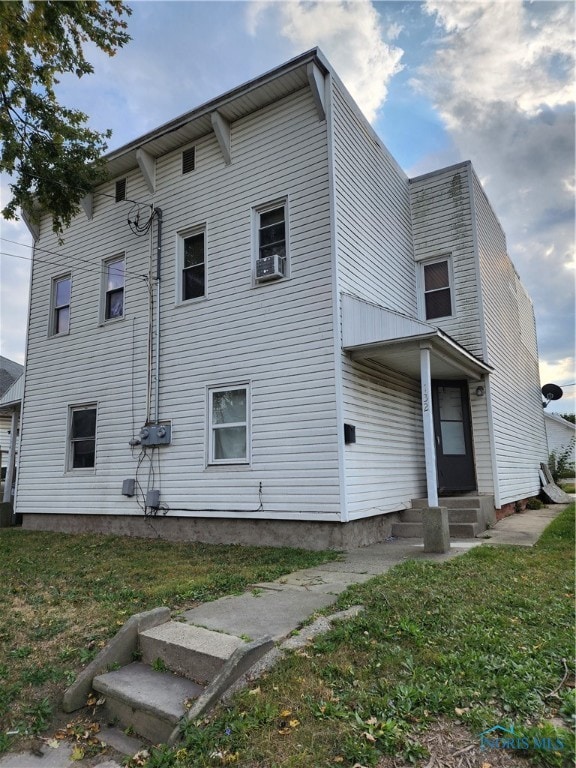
pixel 442 216
pixel 561 435
pixel 385 467
pixel 513 388
pixel 374 231
pixel 278 338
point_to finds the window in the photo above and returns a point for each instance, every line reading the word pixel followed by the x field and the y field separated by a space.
pixel 120 190
pixel 193 261
pixel 60 314
pixel 188 160
pixel 228 427
pixel 272 232
pixel 437 291
pixel 114 288
pixel 82 442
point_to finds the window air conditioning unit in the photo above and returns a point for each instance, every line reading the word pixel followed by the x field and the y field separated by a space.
pixel 270 268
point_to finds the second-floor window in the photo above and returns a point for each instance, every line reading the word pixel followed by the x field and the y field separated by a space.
pixel 272 232
pixel 193 261
pixel 114 288
pixel 60 313
pixel 437 289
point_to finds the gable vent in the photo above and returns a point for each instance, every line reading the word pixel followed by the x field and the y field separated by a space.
pixel 120 190
pixel 188 160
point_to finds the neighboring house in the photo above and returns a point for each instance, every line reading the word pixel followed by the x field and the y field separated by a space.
pixel 328 339
pixel 10 379
pixel 561 435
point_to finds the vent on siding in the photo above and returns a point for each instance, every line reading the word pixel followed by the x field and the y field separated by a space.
pixel 188 160
pixel 120 190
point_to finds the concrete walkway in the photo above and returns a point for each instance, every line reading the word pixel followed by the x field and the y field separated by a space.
pixel 276 608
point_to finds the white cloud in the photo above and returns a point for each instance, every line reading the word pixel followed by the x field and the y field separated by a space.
pixel 500 51
pixel 349 33
pixel 502 80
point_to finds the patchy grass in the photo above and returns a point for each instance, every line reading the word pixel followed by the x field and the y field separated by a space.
pixel 484 639
pixel 568 487
pixel 64 595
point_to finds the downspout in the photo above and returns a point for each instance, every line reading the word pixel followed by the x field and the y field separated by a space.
pixel 158 214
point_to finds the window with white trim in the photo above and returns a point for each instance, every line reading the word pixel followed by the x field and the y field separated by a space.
pixel 60 305
pixel 192 258
pixel 82 437
pixel 436 282
pixel 229 425
pixel 114 279
pixel 270 235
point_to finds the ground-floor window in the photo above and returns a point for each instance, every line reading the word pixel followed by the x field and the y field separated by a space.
pixel 229 425
pixel 82 437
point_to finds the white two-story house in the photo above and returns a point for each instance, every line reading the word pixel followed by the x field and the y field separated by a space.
pixel 260 330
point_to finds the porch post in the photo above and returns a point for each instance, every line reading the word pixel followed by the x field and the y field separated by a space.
pixel 11 456
pixel 428 419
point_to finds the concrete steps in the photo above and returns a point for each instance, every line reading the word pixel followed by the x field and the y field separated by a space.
pixel 181 667
pixel 468 516
pixel 151 703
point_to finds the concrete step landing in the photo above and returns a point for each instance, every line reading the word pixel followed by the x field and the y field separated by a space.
pixel 150 702
pixel 194 652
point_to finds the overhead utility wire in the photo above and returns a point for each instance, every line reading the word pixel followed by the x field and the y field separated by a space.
pixel 90 264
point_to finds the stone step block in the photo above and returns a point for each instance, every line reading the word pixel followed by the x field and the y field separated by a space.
pixel 455 502
pixel 408 530
pixel 464 530
pixel 149 702
pixel 194 652
pixel 454 515
pixel 416 530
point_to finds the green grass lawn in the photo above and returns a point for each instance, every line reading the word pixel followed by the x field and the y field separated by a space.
pixel 62 596
pixel 483 639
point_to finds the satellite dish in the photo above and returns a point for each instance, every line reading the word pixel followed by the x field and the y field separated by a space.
pixel 551 392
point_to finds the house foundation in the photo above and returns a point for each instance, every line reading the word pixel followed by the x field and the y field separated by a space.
pixel 304 534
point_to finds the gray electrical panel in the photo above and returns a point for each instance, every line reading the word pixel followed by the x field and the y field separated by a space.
pixel 128 486
pixel 153 498
pixel 156 434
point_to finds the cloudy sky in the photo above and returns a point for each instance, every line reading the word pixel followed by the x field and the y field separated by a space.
pixel 441 81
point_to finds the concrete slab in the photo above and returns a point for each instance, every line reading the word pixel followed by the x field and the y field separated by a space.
pixel 51 758
pixel 270 613
pixel 316 580
pixel 522 529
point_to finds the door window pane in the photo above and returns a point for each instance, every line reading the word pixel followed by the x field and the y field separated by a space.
pixel 453 442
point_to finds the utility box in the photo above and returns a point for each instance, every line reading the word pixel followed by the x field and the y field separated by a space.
pixel 129 486
pixel 156 434
pixel 153 498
